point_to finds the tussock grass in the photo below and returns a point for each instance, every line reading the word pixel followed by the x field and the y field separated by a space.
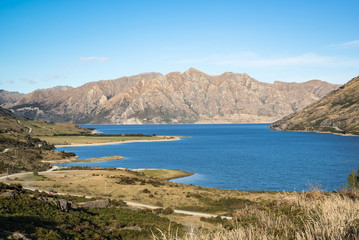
pixel 306 215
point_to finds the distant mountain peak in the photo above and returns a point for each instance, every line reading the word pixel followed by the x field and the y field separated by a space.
pixel 193 70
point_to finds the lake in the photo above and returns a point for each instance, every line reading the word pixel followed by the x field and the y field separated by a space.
pixel 234 156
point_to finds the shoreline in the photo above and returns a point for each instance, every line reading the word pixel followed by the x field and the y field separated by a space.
pixel 111 158
pixel 195 123
pixel 304 131
pixel 174 138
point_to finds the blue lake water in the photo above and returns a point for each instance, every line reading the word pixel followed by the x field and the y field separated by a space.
pixel 235 156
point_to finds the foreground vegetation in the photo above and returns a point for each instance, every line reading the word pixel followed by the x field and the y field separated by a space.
pixel 312 214
pixel 142 188
pixel 307 215
pixel 28 215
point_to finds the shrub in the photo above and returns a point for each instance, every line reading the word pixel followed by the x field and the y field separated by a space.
pixel 146 190
pixel 167 211
pixel 353 180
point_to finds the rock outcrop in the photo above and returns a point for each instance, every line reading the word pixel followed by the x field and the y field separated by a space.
pixel 101 203
pixel 189 97
pixel 61 204
pixel 337 112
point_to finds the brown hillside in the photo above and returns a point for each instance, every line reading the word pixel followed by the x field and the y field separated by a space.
pixel 337 112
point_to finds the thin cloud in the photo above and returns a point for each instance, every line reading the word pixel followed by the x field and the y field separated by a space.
pixel 53 77
pixel 28 80
pixel 350 44
pixel 101 59
pixel 10 81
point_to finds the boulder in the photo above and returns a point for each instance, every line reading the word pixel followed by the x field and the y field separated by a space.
pixel 9 194
pixel 62 204
pixel 102 203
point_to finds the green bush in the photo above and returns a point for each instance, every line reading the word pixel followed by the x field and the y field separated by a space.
pixel 353 180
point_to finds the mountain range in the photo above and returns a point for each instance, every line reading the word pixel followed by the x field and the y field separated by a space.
pixel 188 97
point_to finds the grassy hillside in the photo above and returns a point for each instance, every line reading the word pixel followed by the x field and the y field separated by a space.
pixel 27 145
pixel 337 112
pixel 20 147
pixel 12 122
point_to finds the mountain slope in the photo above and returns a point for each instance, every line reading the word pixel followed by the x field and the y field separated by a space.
pixel 337 112
pixel 9 97
pixel 20 148
pixel 189 97
pixel 10 122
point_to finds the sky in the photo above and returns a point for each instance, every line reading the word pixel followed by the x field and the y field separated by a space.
pixel 65 42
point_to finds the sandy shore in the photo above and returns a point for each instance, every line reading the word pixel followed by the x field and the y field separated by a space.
pixel 128 141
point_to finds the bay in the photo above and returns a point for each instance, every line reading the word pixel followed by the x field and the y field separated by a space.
pixel 234 156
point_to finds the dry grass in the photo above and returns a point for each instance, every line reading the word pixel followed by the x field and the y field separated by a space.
pixel 119 185
pixel 257 215
pixel 51 160
pixel 40 128
pixel 166 174
pixel 325 216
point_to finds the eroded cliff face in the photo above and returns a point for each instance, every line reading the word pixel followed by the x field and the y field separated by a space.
pixel 337 112
pixel 189 97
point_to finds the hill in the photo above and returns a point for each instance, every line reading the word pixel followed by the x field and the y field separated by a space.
pixel 9 97
pixel 20 147
pixel 337 112
pixel 189 97
pixel 13 122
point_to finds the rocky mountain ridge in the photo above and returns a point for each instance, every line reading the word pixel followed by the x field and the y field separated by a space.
pixel 337 112
pixel 189 97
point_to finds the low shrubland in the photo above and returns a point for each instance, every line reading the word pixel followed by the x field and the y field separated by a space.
pixel 27 214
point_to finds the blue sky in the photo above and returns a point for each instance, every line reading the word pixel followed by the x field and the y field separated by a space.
pixel 62 42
